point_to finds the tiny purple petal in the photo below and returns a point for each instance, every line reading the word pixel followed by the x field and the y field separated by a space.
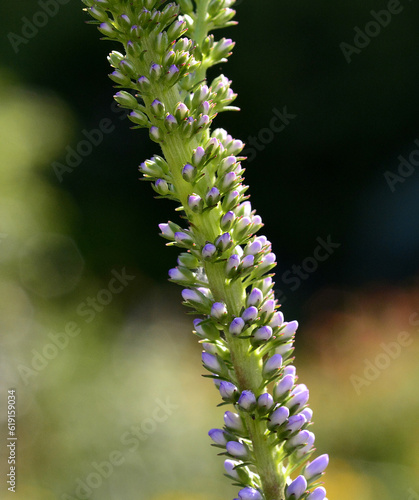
pixel 248 261
pixel 218 310
pixel 218 436
pixel 250 314
pixel 316 467
pixel 265 401
pixel 277 320
pixel 283 387
pixel 247 401
pixel 237 449
pixel 249 494
pixel 233 421
pixel 255 297
pixel 278 417
pixel 295 423
pixel 208 251
pixel 236 326
pixel 288 329
pixel 317 494
pixel 273 364
pixel 296 488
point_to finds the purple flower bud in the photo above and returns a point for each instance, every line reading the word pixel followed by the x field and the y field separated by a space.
pixel 272 365
pixel 308 414
pixel 230 200
pixel 242 227
pixel 237 449
pixel 229 466
pixel 250 314
pixel 212 197
pixel 253 248
pixel 278 417
pixel 299 397
pixel 218 436
pixel 265 402
pixel 257 223
pixel 208 251
pixel 184 239
pixel 247 401
pixel 317 494
pixel 170 123
pixel 295 423
pixel 236 326
pixel 248 261
pixel 249 494
pixel 290 370
pixel 301 439
pixel 282 388
pixel 200 95
pixel 189 173
pixel 255 298
pixel 232 264
pixel 268 307
pixel 212 363
pixel 244 209
pixel 107 29
pixel 228 181
pixel 223 242
pixel 172 74
pixel 227 221
pixel 181 111
pixel 262 334
pixel 227 164
pixel 284 350
pixel 233 421
pixel 166 231
pixel 218 310
pixel 228 391
pixel 235 147
pixel 195 203
pixel 155 71
pixel 144 84
pixel 198 157
pixel 316 467
pixel 202 121
pixel 277 319
pixel 297 488
pixel 177 274
pixel 204 108
pixel 191 296
pixel 288 329
pixel 158 108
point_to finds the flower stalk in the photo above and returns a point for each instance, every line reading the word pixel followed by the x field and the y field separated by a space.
pixel 224 266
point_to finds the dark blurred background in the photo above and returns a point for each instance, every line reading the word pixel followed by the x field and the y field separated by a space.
pixel 331 177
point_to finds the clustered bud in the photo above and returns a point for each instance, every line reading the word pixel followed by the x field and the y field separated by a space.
pixel 211 173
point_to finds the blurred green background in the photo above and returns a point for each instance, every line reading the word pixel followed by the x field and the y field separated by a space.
pixel 111 404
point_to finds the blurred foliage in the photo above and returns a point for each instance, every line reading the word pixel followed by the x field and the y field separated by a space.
pixel 61 242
